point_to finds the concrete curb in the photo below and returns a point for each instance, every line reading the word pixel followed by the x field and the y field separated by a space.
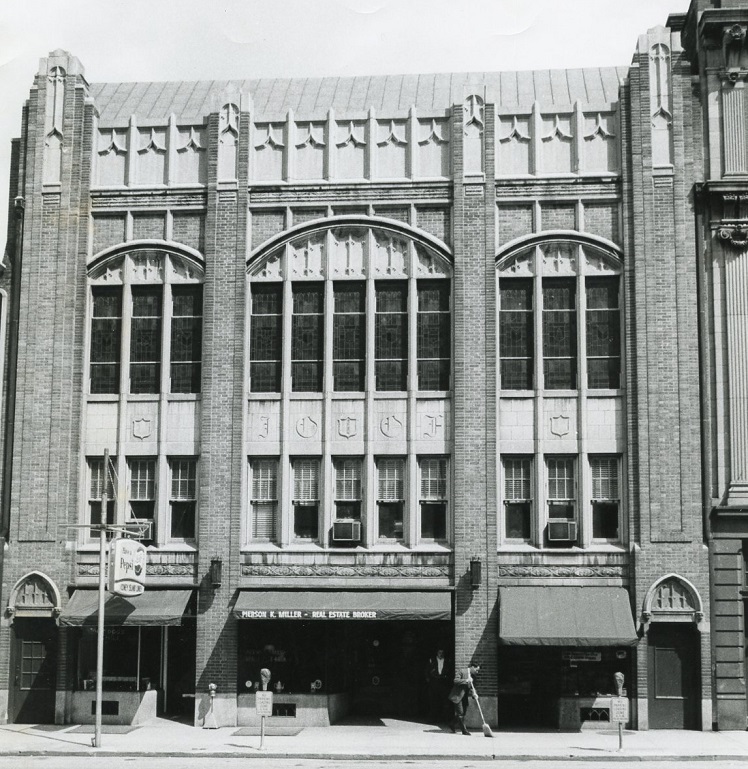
pixel 254 753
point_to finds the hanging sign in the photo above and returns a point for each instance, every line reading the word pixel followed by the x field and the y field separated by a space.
pixel 127 559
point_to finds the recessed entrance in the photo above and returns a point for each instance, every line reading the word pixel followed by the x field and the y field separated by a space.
pixel 34 671
pixel 673 676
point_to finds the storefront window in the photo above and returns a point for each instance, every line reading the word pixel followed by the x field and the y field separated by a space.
pixel 132 658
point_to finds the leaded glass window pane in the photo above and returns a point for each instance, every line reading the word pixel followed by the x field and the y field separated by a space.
pixel 307 337
pixel 516 335
pixel 265 350
pixel 106 336
pixel 603 333
pixel 433 335
pixel 145 339
pixel 349 336
pixel 186 339
pixel 559 333
pixel 391 335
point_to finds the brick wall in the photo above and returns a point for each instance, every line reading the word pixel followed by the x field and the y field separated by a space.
pixel 476 622
pixel 661 341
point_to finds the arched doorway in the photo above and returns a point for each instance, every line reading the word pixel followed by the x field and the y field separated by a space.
pixel 672 614
pixel 33 606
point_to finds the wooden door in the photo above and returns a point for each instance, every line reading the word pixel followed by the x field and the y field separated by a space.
pixel 33 671
pixel 673 676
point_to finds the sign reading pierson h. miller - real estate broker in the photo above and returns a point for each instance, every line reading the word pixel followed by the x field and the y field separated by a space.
pixel 127 561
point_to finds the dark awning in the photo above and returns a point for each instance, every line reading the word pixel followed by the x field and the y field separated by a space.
pixel 565 616
pixel 154 607
pixel 356 605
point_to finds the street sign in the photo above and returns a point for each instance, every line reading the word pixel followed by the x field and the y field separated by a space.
pixel 127 559
pixel 264 703
pixel 619 709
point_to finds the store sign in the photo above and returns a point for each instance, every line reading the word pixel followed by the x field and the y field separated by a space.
pixel 264 703
pixel 307 614
pixel 619 709
pixel 127 560
pixel 582 656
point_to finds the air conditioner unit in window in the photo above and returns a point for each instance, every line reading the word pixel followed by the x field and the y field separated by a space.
pixel 346 530
pixel 561 530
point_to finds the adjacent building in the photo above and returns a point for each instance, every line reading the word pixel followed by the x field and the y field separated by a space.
pixel 386 365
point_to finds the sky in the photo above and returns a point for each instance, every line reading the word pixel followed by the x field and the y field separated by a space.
pixel 126 40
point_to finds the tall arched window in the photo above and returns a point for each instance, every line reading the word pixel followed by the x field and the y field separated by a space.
pixel 146 324
pixel 146 315
pixel 560 373
pixel 349 327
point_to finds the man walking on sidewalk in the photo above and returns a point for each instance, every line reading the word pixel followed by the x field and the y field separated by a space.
pixel 463 687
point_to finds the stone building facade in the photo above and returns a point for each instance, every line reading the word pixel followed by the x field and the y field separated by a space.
pixel 387 365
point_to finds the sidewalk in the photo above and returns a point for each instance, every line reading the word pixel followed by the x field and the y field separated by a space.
pixel 386 738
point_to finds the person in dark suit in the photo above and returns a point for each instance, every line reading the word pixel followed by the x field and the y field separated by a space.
pixel 439 676
pixel 462 688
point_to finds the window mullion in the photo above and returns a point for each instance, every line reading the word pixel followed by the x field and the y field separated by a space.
pixel 583 508
pixel 328 310
pixel 124 385
pixel 412 310
pixel 541 512
pixel 166 315
pixel 286 334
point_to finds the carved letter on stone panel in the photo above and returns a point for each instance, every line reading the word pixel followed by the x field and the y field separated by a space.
pixel 432 425
pixel 391 426
pixel 306 427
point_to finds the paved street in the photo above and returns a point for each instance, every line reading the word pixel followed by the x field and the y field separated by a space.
pixel 265 762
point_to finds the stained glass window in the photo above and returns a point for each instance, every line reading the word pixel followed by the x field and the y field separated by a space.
pixel 145 339
pixel 433 335
pixel 391 335
pixel 559 333
pixel 265 351
pixel 516 337
pixel 603 333
pixel 186 338
pixel 307 337
pixel 106 335
pixel 349 336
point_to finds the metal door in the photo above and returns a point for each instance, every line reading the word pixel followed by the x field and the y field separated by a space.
pixel 34 671
pixel 673 677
